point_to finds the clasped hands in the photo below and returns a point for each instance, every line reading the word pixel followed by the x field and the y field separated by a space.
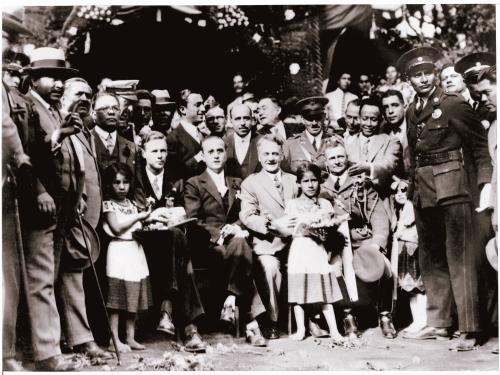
pixel 282 227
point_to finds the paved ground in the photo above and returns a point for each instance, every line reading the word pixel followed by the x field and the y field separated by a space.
pixel 376 353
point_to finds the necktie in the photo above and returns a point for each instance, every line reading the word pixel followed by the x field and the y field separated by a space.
pixel 342 108
pixel 315 144
pixel 336 185
pixel 366 148
pixel 156 187
pixel 55 113
pixel 278 186
pixel 109 144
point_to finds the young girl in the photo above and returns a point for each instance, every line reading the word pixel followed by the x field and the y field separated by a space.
pixel 405 244
pixel 129 291
pixel 311 279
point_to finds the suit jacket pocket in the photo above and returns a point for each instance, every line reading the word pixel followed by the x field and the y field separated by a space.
pixel 450 181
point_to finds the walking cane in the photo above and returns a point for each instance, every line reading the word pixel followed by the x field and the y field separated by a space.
pixel 99 288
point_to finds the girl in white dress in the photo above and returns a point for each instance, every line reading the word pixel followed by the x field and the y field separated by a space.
pixel 129 291
pixel 311 278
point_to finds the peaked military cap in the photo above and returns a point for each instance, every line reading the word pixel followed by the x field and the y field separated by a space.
pixel 418 58
pixel 312 105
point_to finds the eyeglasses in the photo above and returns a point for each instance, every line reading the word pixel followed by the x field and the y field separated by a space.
pixel 107 108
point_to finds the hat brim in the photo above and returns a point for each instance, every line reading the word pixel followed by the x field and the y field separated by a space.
pixel 368 263
pixel 165 104
pixel 319 99
pixel 8 24
pixel 57 71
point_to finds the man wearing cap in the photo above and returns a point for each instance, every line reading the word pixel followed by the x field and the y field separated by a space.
pixel 13 158
pixel 369 234
pixel 184 142
pixel 163 111
pixel 241 145
pixel 307 147
pixel 58 169
pixel 441 129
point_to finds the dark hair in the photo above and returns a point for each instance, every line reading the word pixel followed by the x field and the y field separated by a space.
pixel 100 94
pixel 373 101
pixel 72 80
pixel 144 94
pixel 354 102
pixel 490 74
pixel 309 167
pixel 392 92
pixel 110 174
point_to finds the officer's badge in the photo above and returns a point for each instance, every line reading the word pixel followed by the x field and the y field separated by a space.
pixel 437 113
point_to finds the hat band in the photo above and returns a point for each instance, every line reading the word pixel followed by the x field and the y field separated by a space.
pixel 476 68
pixel 418 63
pixel 48 63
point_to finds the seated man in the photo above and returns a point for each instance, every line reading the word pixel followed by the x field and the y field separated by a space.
pixel 171 271
pixel 212 198
pixel 263 199
pixel 369 233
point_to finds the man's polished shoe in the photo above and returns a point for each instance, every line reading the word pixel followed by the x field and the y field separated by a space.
pixel 255 338
pixel 428 333
pixel 166 324
pixel 194 343
pixel 387 327
pixel 316 331
pixel 56 363
pixel 10 364
pixel 465 342
pixel 272 333
pixel 350 325
pixel 92 350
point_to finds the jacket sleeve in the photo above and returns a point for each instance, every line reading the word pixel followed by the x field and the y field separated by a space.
pixel 250 214
pixel 379 221
pixel 384 167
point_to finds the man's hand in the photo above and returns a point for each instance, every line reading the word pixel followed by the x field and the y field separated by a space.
pixel 485 198
pixel 282 227
pixel 72 124
pixel 82 206
pixel 199 156
pixel 160 214
pixel 46 203
pixel 358 169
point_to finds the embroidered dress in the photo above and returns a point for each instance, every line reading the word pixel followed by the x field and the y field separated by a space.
pixel 127 271
pixel 311 278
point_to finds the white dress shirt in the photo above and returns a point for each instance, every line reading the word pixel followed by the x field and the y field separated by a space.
pixel 241 146
pixel 192 130
pixel 279 129
pixel 103 135
pixel 318 138
pixel 340 178
pixel 159 181
pixel 219 181
pixel 337 103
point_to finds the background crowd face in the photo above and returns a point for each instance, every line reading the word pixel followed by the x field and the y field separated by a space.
pixel 364 83
pixel 214 154
pixel 142 112
pixel 488 94
pixel 270 156
pixel 194 111
pixel 241 118
pixel 50 89
pixel 451 81
pixel 391 75
pixel 76 98
pixel 155 154
pixel 370 118
pixel 352 118
pixel 107 112
pixel 215 119
pixel 268 112
pixel 344 81
pixel 162 116
pixel 422 81
pixel 336 160
pixel 394 110
pixel 238 84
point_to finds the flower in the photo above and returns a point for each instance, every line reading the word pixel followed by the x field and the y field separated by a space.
pixel 289 14
pixel 294 68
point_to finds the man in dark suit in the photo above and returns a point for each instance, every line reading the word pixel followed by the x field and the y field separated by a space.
pixel 212 198
pixel 57 168
pixel 110 146
pixel 442 129
pixel 269 119
pixel 184 142
pixel 241 145
pixel 170 268
pixel 368 233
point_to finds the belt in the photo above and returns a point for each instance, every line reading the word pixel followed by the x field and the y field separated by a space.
pixel 439 158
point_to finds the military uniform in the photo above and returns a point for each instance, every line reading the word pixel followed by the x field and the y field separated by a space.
pixel 439 134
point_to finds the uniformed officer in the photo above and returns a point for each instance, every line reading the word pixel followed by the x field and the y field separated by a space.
pixel 307 147
pixel 441 128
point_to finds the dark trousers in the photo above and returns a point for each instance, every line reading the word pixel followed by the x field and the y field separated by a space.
pixel 448 262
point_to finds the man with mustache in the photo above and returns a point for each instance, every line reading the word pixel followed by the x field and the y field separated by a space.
pixel 77 98
pixel 442 129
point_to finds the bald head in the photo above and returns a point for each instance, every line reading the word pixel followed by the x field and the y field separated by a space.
pixel 241 118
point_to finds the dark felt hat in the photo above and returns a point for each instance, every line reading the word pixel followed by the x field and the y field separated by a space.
pixel 49 60
pixel 369 263
pixel 161 98
pixel 312 105
pixel 75 257
pixel 418 58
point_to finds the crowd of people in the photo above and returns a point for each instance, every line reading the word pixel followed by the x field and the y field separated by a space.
pixel 336 209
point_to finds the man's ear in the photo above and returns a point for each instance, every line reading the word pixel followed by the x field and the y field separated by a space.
pixel 93 115
pixel 181 110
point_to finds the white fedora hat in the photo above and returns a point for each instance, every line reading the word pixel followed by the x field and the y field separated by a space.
pixel 50 60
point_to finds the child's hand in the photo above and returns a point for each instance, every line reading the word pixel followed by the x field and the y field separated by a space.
pixel 145 214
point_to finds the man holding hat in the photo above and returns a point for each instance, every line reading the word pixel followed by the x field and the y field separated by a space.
pixel 163 111
pixel 442 128
pixel 307 147
pixel 368 234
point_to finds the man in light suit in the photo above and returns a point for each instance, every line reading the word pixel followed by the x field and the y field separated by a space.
pixel 241 145
pixel 307 147
pixel 184 142
pixel 371 153
pixel 263 199
pixel 219 239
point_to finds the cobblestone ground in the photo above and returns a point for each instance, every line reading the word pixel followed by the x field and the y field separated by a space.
pixel 225 352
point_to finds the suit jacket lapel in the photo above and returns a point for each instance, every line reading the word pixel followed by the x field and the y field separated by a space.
pixel 288 183
pixel 267 184
pixel 185 136
pixel 304 141
pixel 47 121
pixel 230 147
pixel 231 191
pixel 376 144
pixel 210 187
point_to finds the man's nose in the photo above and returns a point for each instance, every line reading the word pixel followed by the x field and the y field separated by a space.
pixel 484 98
pixel 58 83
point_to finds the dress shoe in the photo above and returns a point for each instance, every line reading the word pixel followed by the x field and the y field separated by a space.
pixel 92 350
pixel 10 364
pixel 350 325
pixel 56 363
pixel 194 343
pixel 255 338
pixel 166 324
pixel 316 331
pixel 272 333
pixel 387 327
pixel 465 343
pixel 427 333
